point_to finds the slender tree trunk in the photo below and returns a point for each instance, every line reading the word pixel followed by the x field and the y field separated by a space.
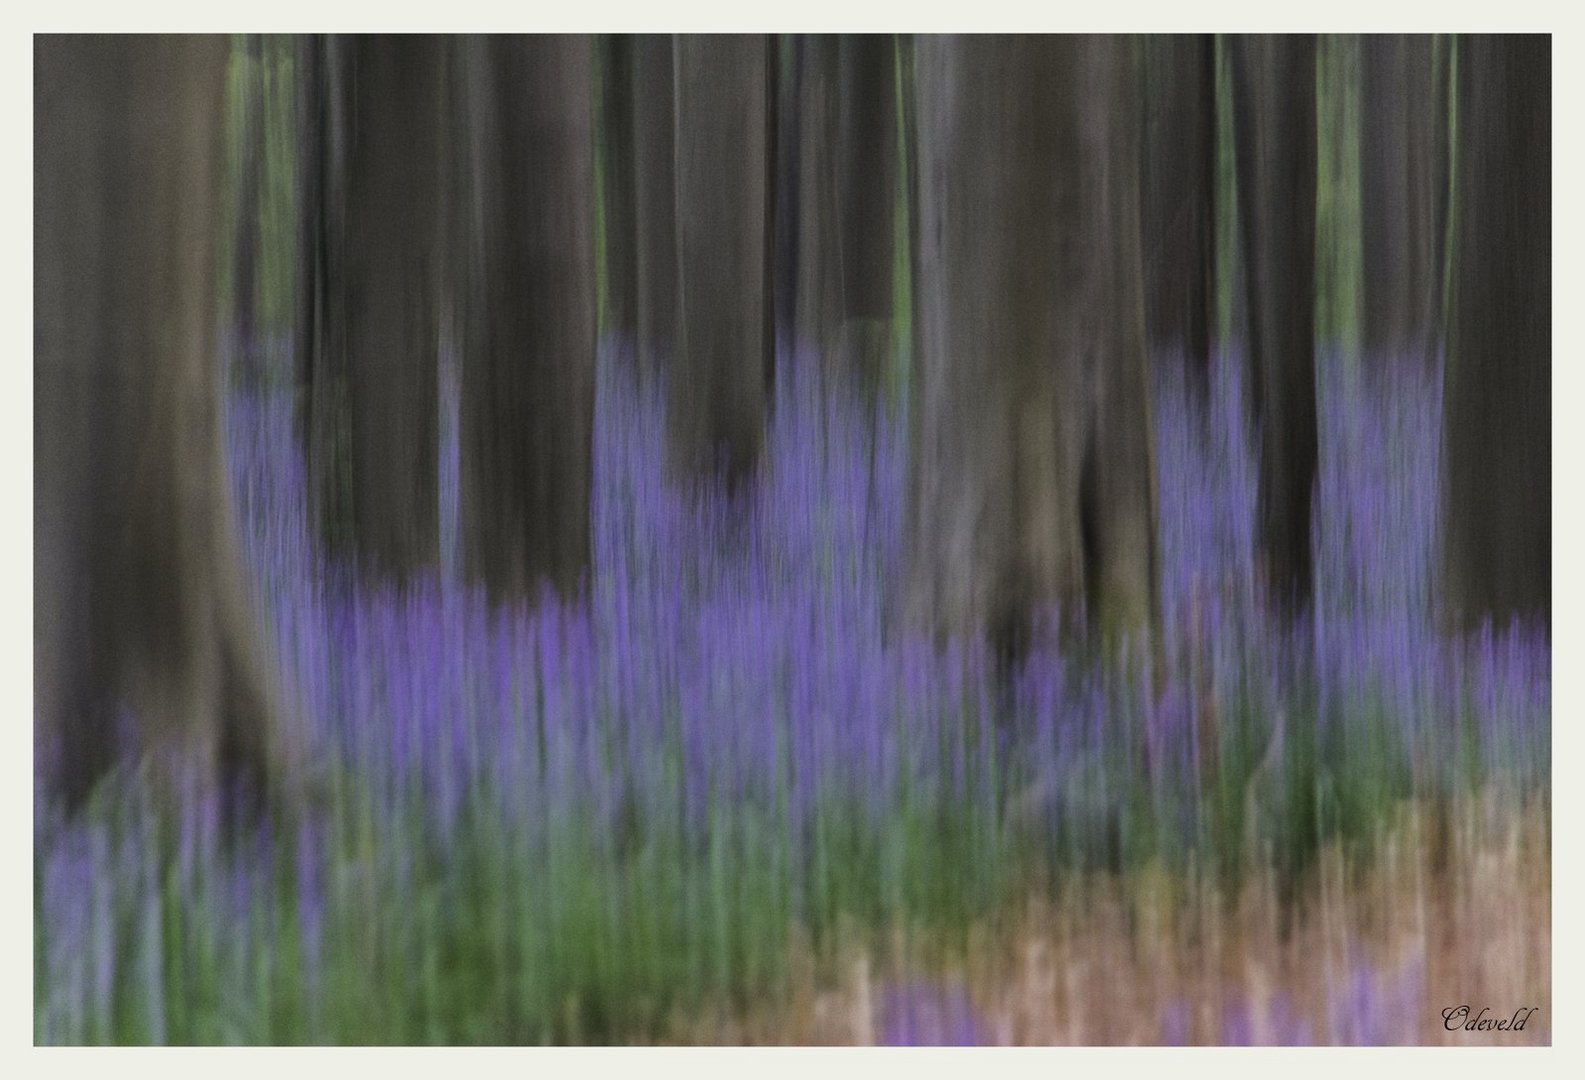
pixel 1497 426
pixel 618 145
pixel 1179 187
pixel 1441 177
pixel 373 444
pixel 1275 136
pixel 250 164
pixel 721 373
pixel 309 278
pixel 846 188
pixel 1033 478
pixel 528 373
pixel 786 150
pixel 819 281
pixel 139 599
pixel 654 199
pixel 1398 181
pixel 867 194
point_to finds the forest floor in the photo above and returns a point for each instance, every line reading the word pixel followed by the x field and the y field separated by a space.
pixel 1383 953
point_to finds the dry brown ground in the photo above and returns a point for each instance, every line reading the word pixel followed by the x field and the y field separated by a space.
pixel 1453 909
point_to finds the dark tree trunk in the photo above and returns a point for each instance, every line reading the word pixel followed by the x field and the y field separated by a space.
pixel 139 595
pixel 528 355
pixel 374 426
pixel 846 190
pixel 654 199
pixel 1033 478
pixel 1398 179
pixel 1179 188
pixel 1497 426
pixel 309 278
pixel 867 194
pixel 1441 177
pixel 617 142
pixel 250 164
pixel 818 284
pixel 1275 146
pixel 721 373
pixel 786 150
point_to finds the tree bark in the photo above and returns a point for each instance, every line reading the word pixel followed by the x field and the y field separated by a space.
pixel 721 373
pixel 250 164
pixel 373 455
pixel 309 277
pixel 1033 478
pixel 1497 426
pixel 1179 188
pixel 1275 137
pixel 618 141
pixel 654 199
pixel 819 281
pixel 846 190
pixel 786 150
pixel 139 600
pixel 867 189
pixel 1441 177
pixel 528 356
pixel 1398 180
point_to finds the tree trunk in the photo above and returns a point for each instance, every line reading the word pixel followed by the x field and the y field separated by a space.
pixel 1033 478
pixel 373 441
pixel 528 356
pixel 786 150
pixel 1398 178
pixel 846 189
pixel 867 193
pixel 139 599
pixel 654 199
pixel 818 285
pixel 1497 426
pixel 1179 188
pixel 618 146
pixel 1441 177
pixel 720 375
pixel 1275 137
pixel 250 164
pixel 310 279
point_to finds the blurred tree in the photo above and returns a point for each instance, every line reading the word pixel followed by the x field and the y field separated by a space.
pixel 638 133
pixel 1497 423
pixel 139 596
pixel 1400 175
pixel 619 181
pixel 721 372
pixel 845 190
pixel 249 170
pixel 786 153
pixel 655 199
pixel 528 310
pixel 866 198
pixel 1033 479
pixel 1178 164
pixel 374 269
pixel 310 280
pixel 1442 173
pixel 1275 136
pixel 817 252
